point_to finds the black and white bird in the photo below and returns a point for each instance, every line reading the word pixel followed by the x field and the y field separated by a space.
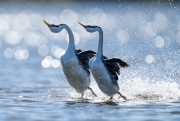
pixel 105 71
pixel 74 62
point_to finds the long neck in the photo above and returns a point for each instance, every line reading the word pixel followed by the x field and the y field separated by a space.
pixel 100 45
pixel 71 45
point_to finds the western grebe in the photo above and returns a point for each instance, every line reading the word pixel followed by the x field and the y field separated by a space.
pixel 74 62
pixel 105 71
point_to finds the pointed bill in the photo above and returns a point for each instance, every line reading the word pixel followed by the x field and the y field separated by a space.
pixel 82 24
pixel 46 23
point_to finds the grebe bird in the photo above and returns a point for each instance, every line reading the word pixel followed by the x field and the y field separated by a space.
pixel 74 62
pixel 105 71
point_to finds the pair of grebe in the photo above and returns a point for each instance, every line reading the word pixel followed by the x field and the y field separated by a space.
pixel 77 64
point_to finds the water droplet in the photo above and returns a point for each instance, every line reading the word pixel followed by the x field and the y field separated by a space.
pixel 43 50
pixel 8 52
pixel 21 54
pixel 150 59
pixel 69 17
pixel 55 63
pixel 159 42
pixel 123 36
pixel 13 37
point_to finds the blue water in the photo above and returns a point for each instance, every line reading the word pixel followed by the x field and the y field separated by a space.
pixel 34 88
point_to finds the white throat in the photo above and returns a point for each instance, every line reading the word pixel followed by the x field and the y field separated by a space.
pixel 71 45
pixel 100 44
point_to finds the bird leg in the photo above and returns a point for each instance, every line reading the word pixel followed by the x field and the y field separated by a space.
pixel 124 97
pixel 92 92
pixel 82 94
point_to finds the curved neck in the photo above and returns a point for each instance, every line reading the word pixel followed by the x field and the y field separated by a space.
pixel 71 38
pixel 100 45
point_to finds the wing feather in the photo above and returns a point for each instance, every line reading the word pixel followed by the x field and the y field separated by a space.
pixel 84 57
pixel 113 66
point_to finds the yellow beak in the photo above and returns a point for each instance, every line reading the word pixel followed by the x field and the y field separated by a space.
pixel 82 24
pixel 46 23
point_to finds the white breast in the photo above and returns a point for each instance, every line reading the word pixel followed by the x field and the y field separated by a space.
pixel 102 77
pixel 77 77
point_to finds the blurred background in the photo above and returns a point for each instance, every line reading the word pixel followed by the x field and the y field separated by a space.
pixel 143 33
pixel 155 1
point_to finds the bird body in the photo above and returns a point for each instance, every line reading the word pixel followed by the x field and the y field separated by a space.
pixel 105 71
pixel 74 62
pixel 102 77
pixel 77 77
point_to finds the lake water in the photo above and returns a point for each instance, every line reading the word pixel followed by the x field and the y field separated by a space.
pixel 145 35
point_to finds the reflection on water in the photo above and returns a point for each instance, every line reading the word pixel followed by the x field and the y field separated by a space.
pixel 33 86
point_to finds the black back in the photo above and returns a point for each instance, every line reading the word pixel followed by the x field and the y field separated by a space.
pixel 113 66
pixel 84 57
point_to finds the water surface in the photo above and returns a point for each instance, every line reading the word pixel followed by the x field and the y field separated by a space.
pixel 33 86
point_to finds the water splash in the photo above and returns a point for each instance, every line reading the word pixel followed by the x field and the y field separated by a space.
pixel 139 89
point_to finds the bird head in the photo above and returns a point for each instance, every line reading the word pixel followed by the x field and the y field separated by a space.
pixel 90 28
pixel 54 28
